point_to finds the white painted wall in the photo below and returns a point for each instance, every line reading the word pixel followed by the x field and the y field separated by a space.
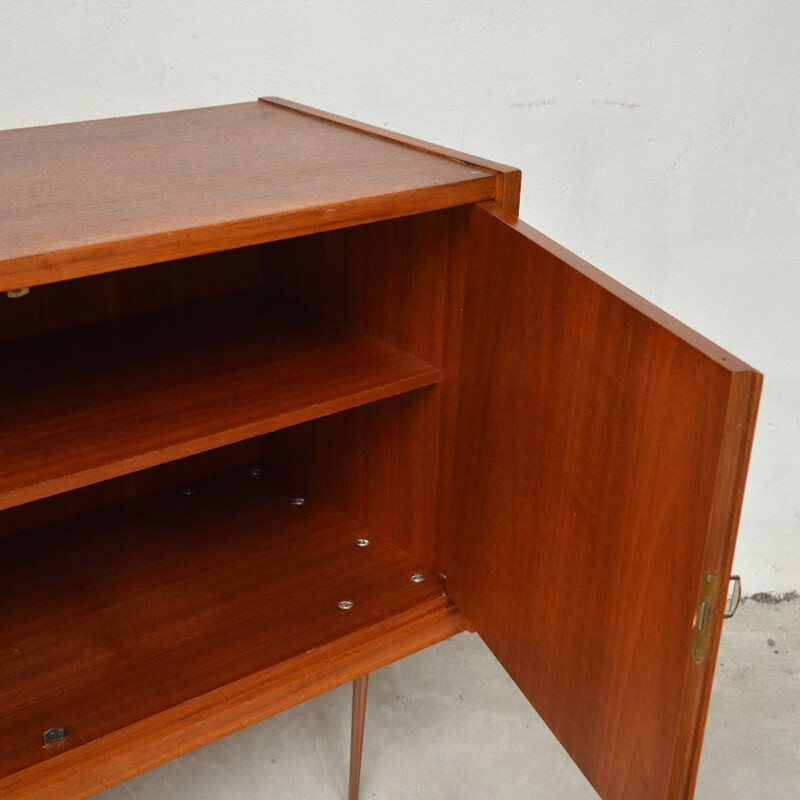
pixel 659 140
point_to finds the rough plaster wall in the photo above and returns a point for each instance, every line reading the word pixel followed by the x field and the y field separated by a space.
pixel 657 139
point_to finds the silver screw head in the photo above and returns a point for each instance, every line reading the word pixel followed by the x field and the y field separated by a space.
pixel 188 490
pixel 417 577
pixel 345 605
pixel 298 501
pixel 362 542
pixel 255 471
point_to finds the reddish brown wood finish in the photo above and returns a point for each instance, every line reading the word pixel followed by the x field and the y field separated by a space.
pixel 102 763
pixel 737 440
pixel 401 281
pixel 357 734
pixel 508 178
pixel 601 455
pixel 112 295
pixel 108 400
pixel 86 198
pixel 51 509
pixel 593 474
pixel 180 605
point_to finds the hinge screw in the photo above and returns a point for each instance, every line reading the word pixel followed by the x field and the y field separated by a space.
pixel 189 490
pixel 362 542
pixel 298 501
pixel 417 577
pixel 346 605
pixel 255 471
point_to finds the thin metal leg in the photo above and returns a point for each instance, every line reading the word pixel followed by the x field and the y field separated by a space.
pixel 357 733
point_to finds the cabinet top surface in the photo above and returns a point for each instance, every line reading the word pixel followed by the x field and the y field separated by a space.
pixel 134 190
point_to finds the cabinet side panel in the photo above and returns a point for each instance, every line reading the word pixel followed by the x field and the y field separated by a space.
pixel 400 281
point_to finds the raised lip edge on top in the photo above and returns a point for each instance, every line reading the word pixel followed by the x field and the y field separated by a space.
pixel 36 269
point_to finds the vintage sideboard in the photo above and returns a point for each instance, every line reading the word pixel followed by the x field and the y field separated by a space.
pixel 286 397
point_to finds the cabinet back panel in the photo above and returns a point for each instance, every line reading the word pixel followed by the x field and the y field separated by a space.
pixel 66 304
pixel 377 463
pixel 146 481
pixel 401 281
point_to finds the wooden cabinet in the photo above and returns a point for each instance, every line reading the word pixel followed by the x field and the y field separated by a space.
pixel 290 398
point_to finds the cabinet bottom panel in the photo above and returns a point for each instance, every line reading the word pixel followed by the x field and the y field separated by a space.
pixel 147 629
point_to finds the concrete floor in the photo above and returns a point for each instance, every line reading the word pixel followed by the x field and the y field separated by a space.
pixel 447 724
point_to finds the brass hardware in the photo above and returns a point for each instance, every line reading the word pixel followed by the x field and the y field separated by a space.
pixel 702 616
pixel 13 293
pixel 734 596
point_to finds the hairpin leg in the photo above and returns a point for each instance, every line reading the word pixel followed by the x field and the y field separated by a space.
pixel 357 733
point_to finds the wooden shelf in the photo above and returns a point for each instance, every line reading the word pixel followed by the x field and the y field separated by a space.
pixel 106 400
pixel 122 614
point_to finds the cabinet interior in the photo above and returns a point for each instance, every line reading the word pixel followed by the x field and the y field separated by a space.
pixel 161 426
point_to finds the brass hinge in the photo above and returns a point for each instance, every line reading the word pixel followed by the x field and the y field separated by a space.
pixel 702 618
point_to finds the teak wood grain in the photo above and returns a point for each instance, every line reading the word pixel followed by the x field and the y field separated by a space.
pixel 110 296
pixel 85 198
pixel 44 512
pixel 113 295
pixel 562 459
pixel 132 611
pixel 402 282
pixel 601 458
pixel 106 400
pixel 508 178
pixel 102 763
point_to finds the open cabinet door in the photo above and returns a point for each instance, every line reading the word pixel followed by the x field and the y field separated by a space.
pixel 600 462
